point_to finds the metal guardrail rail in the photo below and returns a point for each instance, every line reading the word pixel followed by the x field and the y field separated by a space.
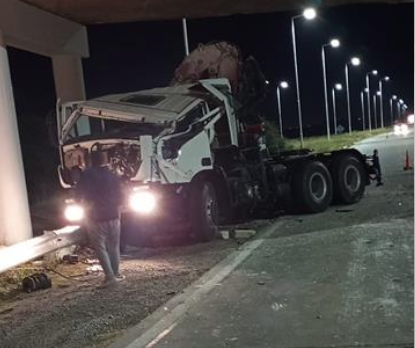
pixel 31 249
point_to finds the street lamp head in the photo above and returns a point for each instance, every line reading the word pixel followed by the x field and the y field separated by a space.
pixel 386 78
pixel 394 97
pixel 335 43
pixel 400 101
pixel 374 72
pixel 338 86
pixel 367 90
pixel 355 61
pixel 284 84
pixel 309 13
pixel 378 93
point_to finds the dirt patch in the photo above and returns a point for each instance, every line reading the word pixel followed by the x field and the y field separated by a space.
pixel 74 313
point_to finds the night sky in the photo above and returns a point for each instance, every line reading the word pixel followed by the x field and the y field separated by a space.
pixel 134 56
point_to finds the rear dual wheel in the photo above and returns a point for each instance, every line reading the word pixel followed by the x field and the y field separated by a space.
pixel 348 175
pixel 312 187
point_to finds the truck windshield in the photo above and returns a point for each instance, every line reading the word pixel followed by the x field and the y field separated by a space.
pixel 97 128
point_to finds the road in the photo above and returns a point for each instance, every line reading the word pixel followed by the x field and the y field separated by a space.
pixel 339 279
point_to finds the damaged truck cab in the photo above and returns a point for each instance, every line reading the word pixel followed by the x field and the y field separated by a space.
pixel 189 163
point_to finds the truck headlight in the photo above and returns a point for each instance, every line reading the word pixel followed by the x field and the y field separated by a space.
pixel 143 201
pixel 74 212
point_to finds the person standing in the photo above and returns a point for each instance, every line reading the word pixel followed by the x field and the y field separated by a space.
pixel 376 166
pixel 101 192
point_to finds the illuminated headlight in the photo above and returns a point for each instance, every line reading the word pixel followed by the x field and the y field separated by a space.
pixel 143 201
pixel 397 129
pixel 411 119
pixel 404 129
pixel 74 213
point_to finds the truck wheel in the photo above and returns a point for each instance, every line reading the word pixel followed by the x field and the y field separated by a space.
pixel 348 176
pixel 204 211
pixel 312 187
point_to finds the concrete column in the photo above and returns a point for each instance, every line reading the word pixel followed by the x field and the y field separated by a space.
pixel 69 83
pixel 69 77
pixel 15 223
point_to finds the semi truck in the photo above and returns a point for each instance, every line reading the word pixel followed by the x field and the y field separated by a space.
pixel 193 155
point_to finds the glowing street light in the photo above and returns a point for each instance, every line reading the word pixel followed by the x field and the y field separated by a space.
pixel 355 62
pixel 308 14
pixel 337 87
pixel 284 85
pixel 369 116
pixel 333 43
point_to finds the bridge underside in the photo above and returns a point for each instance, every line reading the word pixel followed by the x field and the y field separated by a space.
pixel 110 11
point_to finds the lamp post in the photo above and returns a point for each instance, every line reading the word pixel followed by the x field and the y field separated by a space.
pixel 186 40
pixel 362 102
pixel 386 78
pixel 375 108
pixel 333 43
pixel 355 62
pixel 394 97
pixel 308 14
pixel 284 85
pixel 400 103
pixel 369 116
pixel 337 87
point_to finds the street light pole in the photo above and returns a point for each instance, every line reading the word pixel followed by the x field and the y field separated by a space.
pixel 307 14
pixel 374 110
pixel 283 85
pixel 186 40
pixel 338 87
pixel 333 43
pixel 349 118
pixel 386 78
pixel 391 109
pixel 369 116
pixel 323 58
pixel 333 94
pixel 354 61
pixel 362 101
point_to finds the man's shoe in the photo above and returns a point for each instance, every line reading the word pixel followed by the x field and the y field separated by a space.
pixel 107 283
pixel 119 277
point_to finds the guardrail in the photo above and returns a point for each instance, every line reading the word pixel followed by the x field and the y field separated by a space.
pixel 31 249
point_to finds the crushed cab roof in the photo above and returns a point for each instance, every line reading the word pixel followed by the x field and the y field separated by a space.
pixel 158 105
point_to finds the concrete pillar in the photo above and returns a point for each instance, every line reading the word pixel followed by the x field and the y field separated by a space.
pixel 69 77
pixel 15 223
pixel 69 83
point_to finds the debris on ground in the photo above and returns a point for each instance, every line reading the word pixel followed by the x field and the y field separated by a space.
pixel 93 269
pixel 344 210
pixel 244 234
pixel 224 235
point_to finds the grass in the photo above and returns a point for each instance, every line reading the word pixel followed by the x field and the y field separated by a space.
pixel 337 142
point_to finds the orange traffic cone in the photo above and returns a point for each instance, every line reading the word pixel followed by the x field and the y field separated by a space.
pixel 407 162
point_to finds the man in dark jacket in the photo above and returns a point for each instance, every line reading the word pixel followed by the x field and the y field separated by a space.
pixel 376 166
pixel 101 192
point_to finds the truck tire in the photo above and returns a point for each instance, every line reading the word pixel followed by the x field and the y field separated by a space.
pixel 204 211
pixel 348 176
pixel 312 187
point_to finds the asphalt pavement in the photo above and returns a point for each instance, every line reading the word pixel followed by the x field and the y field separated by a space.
pixel 343 278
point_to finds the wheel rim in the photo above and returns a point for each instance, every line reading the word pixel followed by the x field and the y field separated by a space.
pixel 318 187
pixel 210 210
pixel 352 178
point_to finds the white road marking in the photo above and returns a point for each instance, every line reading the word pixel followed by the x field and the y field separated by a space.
pixel 163 320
